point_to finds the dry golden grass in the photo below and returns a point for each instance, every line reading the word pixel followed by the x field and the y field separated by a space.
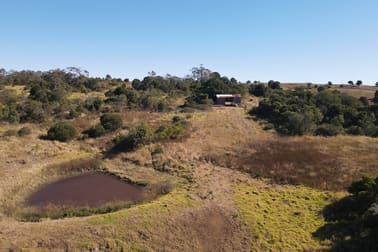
pixel 209 209
pixel 19 90
pixel 82 96
pixel 367 91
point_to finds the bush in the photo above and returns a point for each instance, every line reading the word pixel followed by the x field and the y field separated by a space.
pixel 353 220
pixel 137 137
pixel 24 131
pixel 173 131
pixel 327 130
pixel 111 122
pixel 73 114
pixel 328 113
pixel 366 184
pixel 375 99
pixel 62 131
pixel 364 100
pixel 167 132
pixel 162 106
pixel 321 88
pixel 176 119
pixel 274 84
pixel 294 124
pixel 95 131
pixel 355 130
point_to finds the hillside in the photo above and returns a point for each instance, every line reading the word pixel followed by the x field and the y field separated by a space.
pixel 220 207
pixel 217 178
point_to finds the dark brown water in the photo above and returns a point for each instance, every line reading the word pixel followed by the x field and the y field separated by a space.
pixel 90 189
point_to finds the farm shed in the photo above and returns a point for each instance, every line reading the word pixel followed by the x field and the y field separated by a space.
pixel 228 99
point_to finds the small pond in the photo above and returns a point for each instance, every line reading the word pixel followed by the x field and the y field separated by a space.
pixel 90 189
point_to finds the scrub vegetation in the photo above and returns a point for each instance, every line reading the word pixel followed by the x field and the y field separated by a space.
pixel 292 168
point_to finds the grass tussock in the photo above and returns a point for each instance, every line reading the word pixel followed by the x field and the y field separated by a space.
pixel 35 214
pixel 282 218
pixel 175 201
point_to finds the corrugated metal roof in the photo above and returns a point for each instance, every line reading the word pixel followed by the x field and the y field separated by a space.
pixel 227 95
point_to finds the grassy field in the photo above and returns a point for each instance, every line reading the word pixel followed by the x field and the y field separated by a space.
pixel 367 91
pixel 282 218
pixel 236 186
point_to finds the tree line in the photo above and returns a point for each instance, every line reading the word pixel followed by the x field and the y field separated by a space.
pixel 49 92
pixel 327 113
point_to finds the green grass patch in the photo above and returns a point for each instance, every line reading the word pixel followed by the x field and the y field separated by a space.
pixel 164 205
pixel 282 218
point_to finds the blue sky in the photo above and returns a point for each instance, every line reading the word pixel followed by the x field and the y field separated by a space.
pixel 286 40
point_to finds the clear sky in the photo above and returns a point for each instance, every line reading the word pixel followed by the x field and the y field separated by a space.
pixel 285 40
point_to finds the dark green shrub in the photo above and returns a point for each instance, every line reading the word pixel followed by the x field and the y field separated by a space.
pixel 93 104
pixel 328 130
pixel 173 131
pixel 294 124
pixel 364 100
pixel 366 184
pixel 62 131
pixel 72 114
pixel 24 131
pixel 258 90
pixel 95 131
pixel 137 137
pixel 321 88
pixel 119 139
pixel 111 122
pixel 162 106
pixel 353 220
pixel 274 84
pixel 268 126
pixel 375 99
pixel 9 113
pixel 355 130
pixel 176 119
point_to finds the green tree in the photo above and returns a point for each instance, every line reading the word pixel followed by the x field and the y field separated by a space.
pixel 258 89
pixel 274 84
pixel 200 73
